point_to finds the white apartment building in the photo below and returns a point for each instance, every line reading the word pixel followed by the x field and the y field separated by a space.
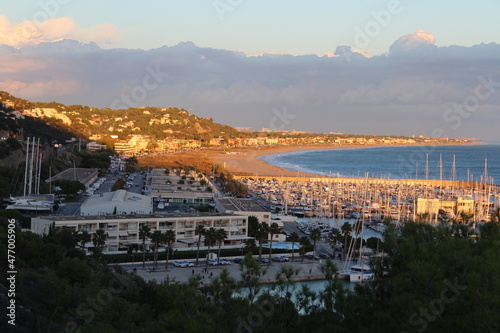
pixel 123 230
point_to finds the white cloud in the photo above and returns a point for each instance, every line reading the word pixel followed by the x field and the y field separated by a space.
pixel 418 39
pixel 53 29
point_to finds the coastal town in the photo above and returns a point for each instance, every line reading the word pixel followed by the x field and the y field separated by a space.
pixel 249 166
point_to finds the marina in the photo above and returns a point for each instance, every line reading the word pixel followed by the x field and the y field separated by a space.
pixel 450 183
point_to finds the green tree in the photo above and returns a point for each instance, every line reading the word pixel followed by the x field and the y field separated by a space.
pixel 99 241
pixel 144 234
pixel 220 237
pixel 210 239
pixel 251 273
pixel 346 231
pixel 199 230
pixel 261 234
pixel 157 239
pixel 305 243
pixel 315 236
pixel 169 240
pixel 294 238
pixel 83 238
pixel 333 238
pixel 69 186
pixel 273 229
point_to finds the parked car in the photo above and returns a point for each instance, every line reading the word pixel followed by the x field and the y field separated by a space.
pixel 263 260
pixel 324 256
pixel 310 256
pixel 281 258
pixel 224 261
pixel 212 262
pixel 179 263
pixel 238 260
pixel 189 263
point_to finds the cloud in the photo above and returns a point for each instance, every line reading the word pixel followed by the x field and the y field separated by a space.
pixel 40 89
pixel 326 92
pixel 417 40
pixel 53 29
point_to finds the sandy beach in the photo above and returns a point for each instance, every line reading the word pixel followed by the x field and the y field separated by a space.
pixel 240 161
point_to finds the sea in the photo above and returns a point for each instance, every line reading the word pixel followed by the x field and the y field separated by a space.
pixel 477 162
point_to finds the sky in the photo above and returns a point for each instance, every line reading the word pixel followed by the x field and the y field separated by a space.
pixel 364 67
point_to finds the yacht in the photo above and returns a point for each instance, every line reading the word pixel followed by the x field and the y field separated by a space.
pixel 30 204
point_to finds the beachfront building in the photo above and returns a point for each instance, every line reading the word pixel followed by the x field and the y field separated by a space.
pixel 116 203
pixel 123 230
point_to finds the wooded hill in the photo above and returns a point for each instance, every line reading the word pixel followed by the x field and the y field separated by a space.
pixel 83 121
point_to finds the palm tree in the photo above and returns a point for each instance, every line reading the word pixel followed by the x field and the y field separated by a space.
pixel 209 240
pixel 358 229
pixel 199 230
pixel 144 233
pixel 333 238
pixel 346 231
pixel 294 238
pixel 156 238
pixel 273 230
pixel 261 234
pixel 220 236
pixel 305 242
pixel 168 239
pixel 99 240
pixel 315 236
pixel 133 248
pixel 83 238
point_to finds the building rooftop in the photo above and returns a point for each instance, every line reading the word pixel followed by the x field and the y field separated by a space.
pixel 134 216
pixel 242 205
pixel 120 196
pixel 79 174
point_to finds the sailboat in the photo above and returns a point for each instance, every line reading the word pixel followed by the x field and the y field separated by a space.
pixel 359 272
pixel 32 200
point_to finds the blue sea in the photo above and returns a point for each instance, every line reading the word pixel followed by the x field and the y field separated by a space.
pixel 398 162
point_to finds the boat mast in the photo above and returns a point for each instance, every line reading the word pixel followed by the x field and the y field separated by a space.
pixel 30 184
pixel 39 176
pixel 26 167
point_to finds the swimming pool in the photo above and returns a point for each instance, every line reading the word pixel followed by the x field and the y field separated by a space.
pixel 283 245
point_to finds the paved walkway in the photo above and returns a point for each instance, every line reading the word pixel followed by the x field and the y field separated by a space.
pixel 308 271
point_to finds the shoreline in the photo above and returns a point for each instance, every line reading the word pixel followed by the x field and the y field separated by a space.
pixel 244 161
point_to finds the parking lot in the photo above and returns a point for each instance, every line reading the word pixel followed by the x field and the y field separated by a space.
pixel 308 270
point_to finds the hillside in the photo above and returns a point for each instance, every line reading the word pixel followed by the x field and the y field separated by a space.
pixel 84 121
